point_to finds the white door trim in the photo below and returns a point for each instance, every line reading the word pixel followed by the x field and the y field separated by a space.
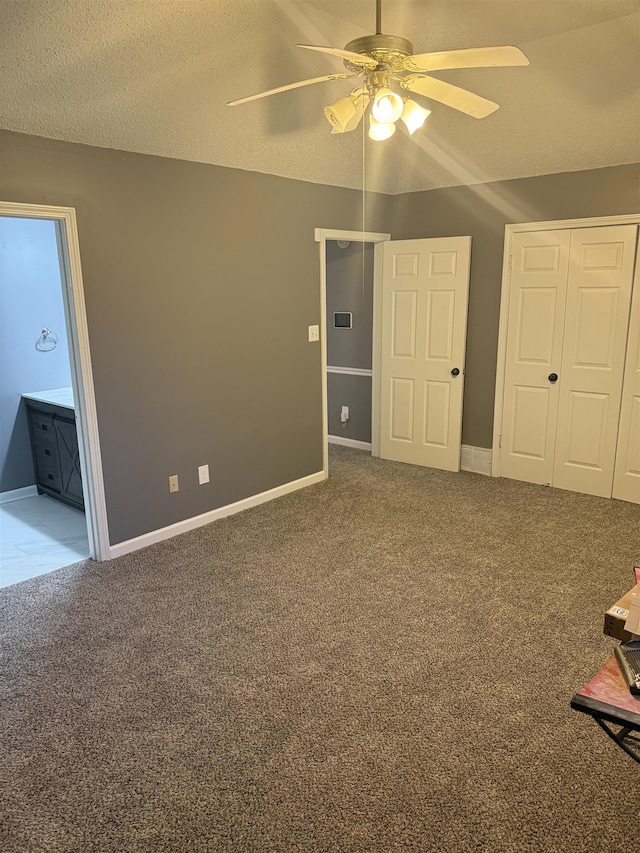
pixel 321 235
pixel 510 230
pixel 81 371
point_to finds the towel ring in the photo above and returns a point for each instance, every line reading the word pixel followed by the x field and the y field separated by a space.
pixel 47 341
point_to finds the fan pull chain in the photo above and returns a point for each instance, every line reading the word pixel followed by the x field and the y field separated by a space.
pixel 364 138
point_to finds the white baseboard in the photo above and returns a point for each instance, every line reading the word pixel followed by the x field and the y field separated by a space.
pixel 206 518
pixel 18 494
pixel 349 442
pixel 476 459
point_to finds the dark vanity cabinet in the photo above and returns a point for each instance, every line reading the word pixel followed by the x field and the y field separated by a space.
pixel 54 443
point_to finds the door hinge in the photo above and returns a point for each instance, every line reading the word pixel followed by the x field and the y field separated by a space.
pixel 500 440
pixel 510 262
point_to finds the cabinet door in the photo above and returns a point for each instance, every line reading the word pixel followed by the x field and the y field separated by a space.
pixel 69 460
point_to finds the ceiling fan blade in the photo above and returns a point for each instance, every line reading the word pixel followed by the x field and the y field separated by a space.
pixel 476 57
pixel 453 96
pixel 289 86
pixel 351 56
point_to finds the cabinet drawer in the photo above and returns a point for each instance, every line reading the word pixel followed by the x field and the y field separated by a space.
pixel 42 425
pixel 47 465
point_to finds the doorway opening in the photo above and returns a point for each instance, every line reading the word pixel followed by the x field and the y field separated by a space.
pixel 419 310
pixel 348 299
pixel 46 356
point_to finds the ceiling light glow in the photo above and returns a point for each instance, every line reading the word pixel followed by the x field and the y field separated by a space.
pixel 380 130
pixel 387 105
pixel 414 116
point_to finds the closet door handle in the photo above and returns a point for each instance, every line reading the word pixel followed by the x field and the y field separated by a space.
pixel 553 377
pixel 455 371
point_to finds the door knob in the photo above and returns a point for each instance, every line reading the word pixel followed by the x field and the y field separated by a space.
pixel 455 371
pixel 553 377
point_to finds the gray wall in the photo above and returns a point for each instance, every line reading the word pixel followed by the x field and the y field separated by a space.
pixel 350 288
pixel 200 282
pixel 355 392
pixel 483 211
pixel 30 300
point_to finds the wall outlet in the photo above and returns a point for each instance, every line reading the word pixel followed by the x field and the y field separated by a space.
pixel 173 483
pixel 314 333
pixel 344 414
pixel 203 474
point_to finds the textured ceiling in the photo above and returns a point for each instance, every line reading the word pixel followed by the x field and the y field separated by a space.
pixel 154 76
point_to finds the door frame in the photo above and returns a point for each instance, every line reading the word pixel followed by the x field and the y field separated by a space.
pixel 321 235
pixel 510 230
pixel 80 363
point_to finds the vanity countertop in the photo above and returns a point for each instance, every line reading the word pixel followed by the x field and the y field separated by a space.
pixel 54 396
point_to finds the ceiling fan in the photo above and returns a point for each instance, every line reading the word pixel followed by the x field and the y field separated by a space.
pixel 386 62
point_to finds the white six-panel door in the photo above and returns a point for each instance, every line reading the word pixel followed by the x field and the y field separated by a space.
pixel 626 477
pixel 595 339
pixel 566 342
pixel 540 265
pixel 424 319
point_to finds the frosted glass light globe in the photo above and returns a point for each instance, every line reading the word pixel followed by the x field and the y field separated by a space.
pixel 380 130
pixel 414 116
pixel 387 105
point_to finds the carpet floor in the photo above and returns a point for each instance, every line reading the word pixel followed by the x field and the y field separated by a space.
pixel 381 662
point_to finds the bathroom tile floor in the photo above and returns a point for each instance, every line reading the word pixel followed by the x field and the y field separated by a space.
pixel 37 535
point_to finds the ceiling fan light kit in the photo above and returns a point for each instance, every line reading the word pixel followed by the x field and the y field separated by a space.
pixel 413 116
pixel 346 113
pixel 386 61
pixel 387 105
pixel 380 130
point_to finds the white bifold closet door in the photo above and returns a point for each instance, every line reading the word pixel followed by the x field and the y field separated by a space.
pixel 566 346
pixel 626 477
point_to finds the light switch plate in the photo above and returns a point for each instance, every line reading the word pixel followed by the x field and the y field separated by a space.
pixel 314 333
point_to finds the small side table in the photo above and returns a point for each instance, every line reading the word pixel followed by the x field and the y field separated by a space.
pixel 609 701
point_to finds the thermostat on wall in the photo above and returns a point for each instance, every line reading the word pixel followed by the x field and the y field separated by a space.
pixel 342 319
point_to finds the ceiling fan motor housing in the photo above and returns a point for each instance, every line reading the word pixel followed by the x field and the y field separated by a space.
pixel 386 50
